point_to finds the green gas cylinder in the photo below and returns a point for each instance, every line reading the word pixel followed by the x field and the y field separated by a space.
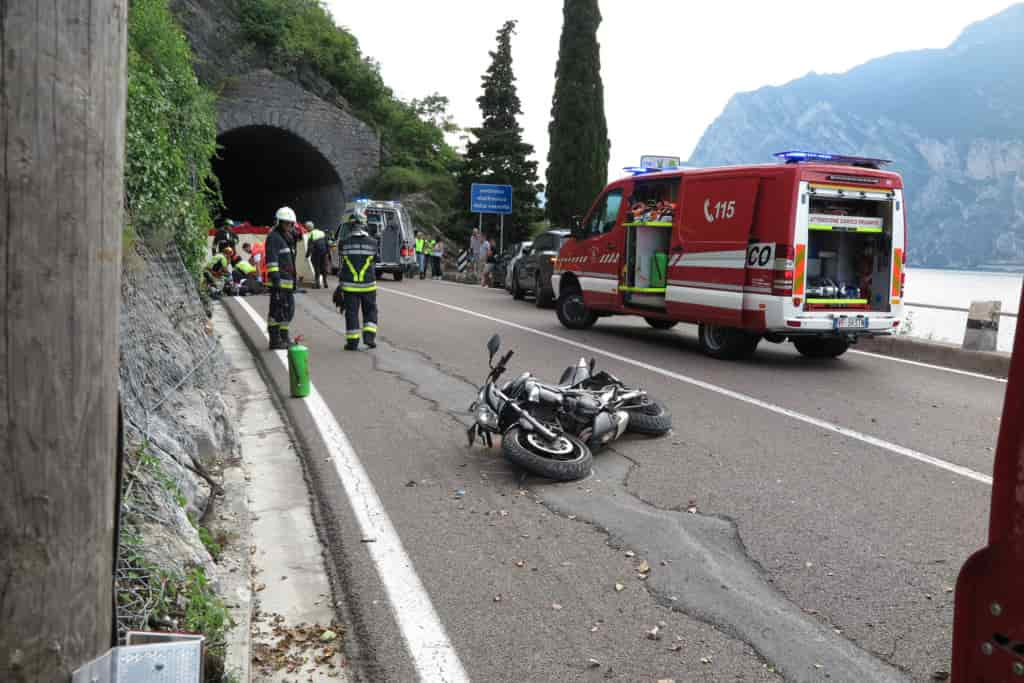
pixel 298 369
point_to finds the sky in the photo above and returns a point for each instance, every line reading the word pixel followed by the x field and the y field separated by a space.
pixel 669 66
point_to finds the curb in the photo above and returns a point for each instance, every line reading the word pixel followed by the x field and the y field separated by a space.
pixel 992 363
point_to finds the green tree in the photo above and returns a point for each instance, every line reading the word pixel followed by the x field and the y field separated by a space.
pixel 496 153
pixel 170 137
pixel 578 152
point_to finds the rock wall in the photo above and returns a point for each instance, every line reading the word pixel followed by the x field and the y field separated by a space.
pixel 172 372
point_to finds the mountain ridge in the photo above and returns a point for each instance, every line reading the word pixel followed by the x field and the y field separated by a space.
pixel 952 119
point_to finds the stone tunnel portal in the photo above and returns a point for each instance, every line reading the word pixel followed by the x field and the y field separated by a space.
pixel 262 168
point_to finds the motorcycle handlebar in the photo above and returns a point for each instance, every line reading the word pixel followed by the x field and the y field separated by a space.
pixel 499 369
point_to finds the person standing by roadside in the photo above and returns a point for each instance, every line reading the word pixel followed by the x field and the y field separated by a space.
pixel 318 252
pixel 490 261
pixel 482 252
pixel 437 254
pixel 359 283
pixel 280 248
pixel 475 239
pixel 428 256
pixel 421 254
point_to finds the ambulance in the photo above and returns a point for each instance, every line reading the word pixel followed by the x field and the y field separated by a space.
pixel 810 250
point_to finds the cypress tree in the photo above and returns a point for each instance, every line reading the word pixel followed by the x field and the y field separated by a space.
pixel 578 155
pixel 497 153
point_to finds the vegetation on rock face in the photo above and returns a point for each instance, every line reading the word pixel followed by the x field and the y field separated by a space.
pixel 297 33
pixel 170 136
pixel 578 156
pixel 498 154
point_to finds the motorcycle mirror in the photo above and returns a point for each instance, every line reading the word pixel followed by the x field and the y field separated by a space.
pixel 493 344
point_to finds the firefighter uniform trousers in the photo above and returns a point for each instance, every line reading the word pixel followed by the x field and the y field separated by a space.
pixel 359 282
pixel 367 303
pixel 282 310
pixel 281 272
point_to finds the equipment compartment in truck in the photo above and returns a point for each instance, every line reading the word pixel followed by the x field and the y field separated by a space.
pixel 849 254
pixel 649 222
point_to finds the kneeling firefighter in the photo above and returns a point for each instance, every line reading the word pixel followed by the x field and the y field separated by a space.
pixel 281 272
pixel 359 283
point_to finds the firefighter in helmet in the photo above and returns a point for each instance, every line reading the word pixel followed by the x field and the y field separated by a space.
pixel 280 248
pixel 359 283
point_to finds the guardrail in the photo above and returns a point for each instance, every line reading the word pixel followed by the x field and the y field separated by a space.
pixel 953 308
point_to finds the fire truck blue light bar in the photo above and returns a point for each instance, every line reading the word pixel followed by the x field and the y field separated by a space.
pixel 795 156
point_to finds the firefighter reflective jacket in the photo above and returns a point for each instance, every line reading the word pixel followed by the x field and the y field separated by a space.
pixel 356 270
pixel 243 266
pixel 280 260
pixel 218 265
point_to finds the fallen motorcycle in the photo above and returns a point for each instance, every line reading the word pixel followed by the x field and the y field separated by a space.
pixel 552 430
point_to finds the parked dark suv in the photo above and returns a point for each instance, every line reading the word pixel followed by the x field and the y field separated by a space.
pixel 533 271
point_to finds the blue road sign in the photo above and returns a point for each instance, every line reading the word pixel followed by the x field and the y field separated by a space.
pixel 485 198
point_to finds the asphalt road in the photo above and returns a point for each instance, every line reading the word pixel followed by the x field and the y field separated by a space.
pixel 835 502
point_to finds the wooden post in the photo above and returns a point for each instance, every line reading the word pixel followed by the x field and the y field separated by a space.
pixel 62 112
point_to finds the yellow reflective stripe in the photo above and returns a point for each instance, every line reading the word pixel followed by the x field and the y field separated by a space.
pixel 642 290
pixel 838 302
pixel 273 269
pixel 286 284
pixel 352 335
pixel 370 328
pixel 362 273
pixel 355 289
pixel 352 269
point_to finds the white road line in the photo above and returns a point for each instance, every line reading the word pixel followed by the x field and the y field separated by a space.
pixel 918 363
pixel 894 358
pixel 827 426
pixel 433 655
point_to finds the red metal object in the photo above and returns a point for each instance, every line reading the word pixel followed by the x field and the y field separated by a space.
pixel 988 623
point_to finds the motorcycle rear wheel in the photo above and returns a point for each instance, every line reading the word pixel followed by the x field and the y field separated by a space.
pixel 567 460
pixel 651 419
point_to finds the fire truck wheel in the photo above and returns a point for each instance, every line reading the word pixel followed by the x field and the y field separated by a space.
pixel 651 419
pixel 572 312
pixel 726 343
pixel 567 459
pixel 661 324
pixel 821 347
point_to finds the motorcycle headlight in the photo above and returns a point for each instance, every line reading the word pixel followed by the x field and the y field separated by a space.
pixel 486 416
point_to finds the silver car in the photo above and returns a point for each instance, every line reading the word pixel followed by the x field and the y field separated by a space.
pixel 517 253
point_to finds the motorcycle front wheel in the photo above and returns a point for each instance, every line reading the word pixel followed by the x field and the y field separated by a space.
pixel 564 459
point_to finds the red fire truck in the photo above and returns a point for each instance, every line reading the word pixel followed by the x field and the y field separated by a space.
pixel 809 250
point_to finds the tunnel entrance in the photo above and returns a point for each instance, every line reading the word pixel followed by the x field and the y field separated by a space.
pixel 262 168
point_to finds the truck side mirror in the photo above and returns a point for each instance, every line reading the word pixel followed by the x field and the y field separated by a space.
pixel 577 227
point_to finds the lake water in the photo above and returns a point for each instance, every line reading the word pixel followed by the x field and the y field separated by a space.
pixel 958 288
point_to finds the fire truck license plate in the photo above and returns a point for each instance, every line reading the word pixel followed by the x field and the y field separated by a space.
pixel 851 323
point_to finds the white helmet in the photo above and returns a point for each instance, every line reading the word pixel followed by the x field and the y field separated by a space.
pixel 286 214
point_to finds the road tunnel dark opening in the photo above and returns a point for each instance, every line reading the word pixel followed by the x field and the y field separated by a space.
pixel 262 168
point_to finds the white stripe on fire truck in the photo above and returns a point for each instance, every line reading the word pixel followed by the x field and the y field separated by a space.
pixel 714 298
pixel 706 285
pixel 715 259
